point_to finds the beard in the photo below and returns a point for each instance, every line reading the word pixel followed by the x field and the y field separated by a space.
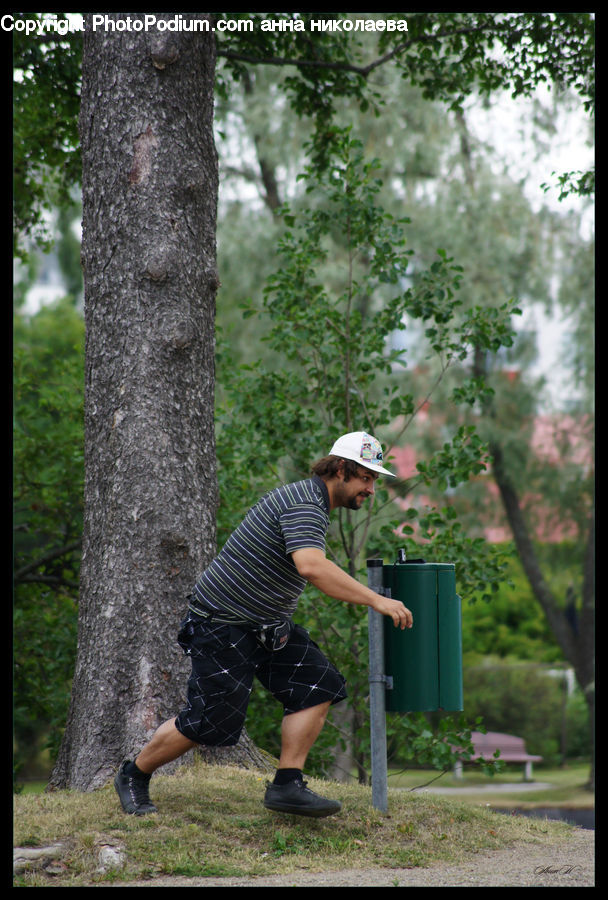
pixel 356 502
pixel 347 500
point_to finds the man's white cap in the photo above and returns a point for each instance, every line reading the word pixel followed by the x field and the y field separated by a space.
pixel 363 449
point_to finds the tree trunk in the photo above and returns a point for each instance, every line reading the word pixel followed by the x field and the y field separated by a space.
pixel 577 643
pixel 149 219
pixel 245 754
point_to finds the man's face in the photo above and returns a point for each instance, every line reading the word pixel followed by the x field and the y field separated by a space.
pixel 354 492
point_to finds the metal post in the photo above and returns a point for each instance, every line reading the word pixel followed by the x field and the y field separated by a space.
pixel 377 687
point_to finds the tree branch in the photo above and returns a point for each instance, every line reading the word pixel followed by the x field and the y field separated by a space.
pixel 528 557
pixel 20 574
pixel 51 580
pixel 363 71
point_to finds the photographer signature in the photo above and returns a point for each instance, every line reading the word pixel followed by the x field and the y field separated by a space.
pixel 555 870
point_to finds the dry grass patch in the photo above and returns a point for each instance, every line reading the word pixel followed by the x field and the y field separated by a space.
pixel 211 822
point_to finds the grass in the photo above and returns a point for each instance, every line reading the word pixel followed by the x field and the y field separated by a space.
pixel 567 786
pixel 212 823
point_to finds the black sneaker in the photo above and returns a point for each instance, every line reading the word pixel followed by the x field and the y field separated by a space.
pixel 133 792
pixel 299 800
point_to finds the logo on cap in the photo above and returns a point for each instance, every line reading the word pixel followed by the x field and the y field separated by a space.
pixel 371 449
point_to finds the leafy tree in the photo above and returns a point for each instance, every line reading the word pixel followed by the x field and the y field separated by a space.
pixel 47 490
pixel 518 699
pixel 447 55
pixel 48 444
pixel 568 485
pixel 339 377
pixel 506 249
pixel 46 158
pixel 576 636
pixel 508 252
pixel 512 625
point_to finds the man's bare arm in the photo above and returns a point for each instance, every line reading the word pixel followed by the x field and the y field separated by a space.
pixel 313 565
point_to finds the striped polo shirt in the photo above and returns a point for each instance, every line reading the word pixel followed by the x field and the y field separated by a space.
pixel 253 577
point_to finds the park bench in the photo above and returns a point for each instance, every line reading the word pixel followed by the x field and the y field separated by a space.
pixel 512 750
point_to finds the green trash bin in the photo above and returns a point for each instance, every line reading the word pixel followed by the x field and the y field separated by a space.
pixel 425 661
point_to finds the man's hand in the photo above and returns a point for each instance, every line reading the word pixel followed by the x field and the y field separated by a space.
pixel 400 614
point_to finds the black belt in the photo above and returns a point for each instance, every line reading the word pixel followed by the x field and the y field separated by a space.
pixel 227 619
pixel 273 635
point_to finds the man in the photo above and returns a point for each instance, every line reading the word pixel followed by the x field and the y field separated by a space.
pixel 239 626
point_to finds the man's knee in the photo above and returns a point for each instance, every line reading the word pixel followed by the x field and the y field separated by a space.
pixel 207 732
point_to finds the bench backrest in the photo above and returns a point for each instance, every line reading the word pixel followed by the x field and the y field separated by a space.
pixel 510 745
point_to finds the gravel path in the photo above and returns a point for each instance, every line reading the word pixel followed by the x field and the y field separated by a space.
pixel 570 863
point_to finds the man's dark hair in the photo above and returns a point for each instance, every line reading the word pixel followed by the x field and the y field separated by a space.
pixel 329 465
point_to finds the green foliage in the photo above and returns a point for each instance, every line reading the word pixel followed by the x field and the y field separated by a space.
pixel 416 740
pixel 580 183
pixel 437 535
pixel 48 478
pixel 343 289
pixel 44 634
pixel 48 429
pixel 522 699
pixel 577 739
pixel 448 55
pixel 513 625
pixel 46 148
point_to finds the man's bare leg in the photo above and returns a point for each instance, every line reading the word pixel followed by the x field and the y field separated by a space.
pixel 165 745
pixel 299 731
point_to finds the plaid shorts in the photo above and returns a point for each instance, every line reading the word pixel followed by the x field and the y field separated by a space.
pixel 225 659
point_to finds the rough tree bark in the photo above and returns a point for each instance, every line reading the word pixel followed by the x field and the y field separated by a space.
pixel 148 250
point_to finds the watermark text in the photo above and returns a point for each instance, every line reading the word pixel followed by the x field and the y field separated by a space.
pixel 146 22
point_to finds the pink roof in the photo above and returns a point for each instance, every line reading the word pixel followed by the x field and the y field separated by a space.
pixel 555 439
